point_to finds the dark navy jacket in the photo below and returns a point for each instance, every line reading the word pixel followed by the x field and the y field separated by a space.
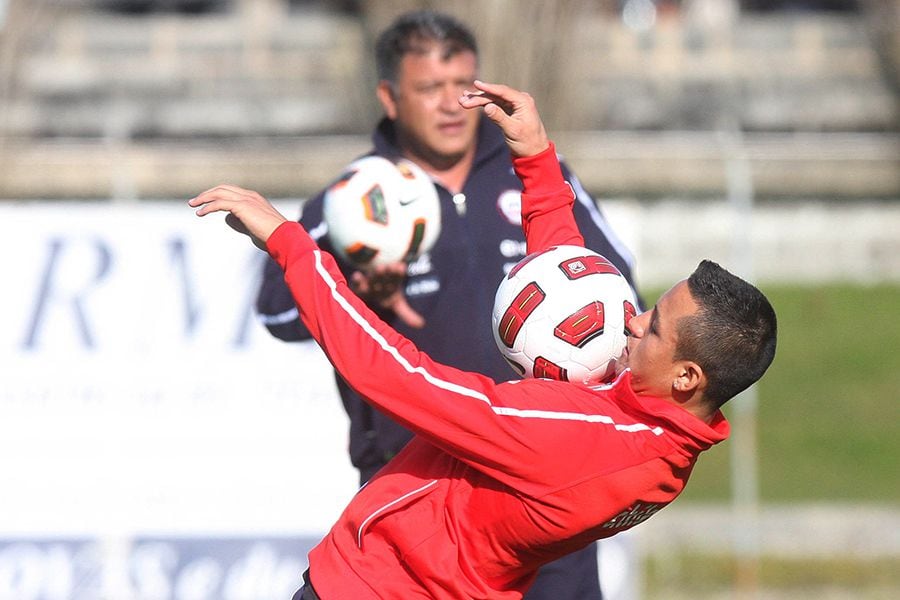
pixel 452 286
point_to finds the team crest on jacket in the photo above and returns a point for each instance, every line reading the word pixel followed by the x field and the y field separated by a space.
pixel 509 203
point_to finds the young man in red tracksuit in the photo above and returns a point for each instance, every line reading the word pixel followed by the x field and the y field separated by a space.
pixel 502 478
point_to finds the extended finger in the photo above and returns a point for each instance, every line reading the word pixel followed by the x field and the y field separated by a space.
pixel 497 90
pixel 407 314
pixel 476 99
pixel 470 99
pixel 208 203
pixel 359 283
pixel 225 192
pixel 487 93
pixel 221 197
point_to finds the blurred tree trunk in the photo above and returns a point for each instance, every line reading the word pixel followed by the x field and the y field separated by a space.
pixel 528 44
pixel 883 21
pixel 23 22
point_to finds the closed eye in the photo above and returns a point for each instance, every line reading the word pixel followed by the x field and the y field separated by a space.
pixel 653 328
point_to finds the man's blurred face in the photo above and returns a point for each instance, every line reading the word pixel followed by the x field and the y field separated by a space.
pixel 654 339
pixel 432 127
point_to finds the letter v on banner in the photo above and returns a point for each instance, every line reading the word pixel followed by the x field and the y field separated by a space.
pixel 191 298
pixel 178 255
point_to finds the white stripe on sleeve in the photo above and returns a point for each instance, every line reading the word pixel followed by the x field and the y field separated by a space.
pixel 456 388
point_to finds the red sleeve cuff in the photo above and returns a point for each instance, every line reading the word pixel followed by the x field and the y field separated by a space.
pixel 289 240
pixel 541 173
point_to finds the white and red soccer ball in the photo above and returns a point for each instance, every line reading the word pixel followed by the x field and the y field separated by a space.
pixel 381 211
pixel 563 314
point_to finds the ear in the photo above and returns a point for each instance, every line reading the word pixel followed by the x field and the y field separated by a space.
pixel 690 378
pixel 385 94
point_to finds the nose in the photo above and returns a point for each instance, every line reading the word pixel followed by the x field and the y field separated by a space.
pixel 450 98
pixel 450 93
pixel 638 324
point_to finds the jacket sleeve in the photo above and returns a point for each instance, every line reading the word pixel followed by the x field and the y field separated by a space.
pixel 465 414
pixel 547 200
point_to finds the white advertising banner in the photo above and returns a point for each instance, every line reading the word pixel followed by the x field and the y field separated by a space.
pixel 143 404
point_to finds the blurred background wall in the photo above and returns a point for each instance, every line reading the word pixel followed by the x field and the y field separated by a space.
pixel 142 99
pixel 648 99
pixel 761 133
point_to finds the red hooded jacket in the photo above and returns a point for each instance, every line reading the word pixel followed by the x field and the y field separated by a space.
pixel 501 478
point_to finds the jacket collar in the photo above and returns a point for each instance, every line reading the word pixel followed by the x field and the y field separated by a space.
pixel 671 416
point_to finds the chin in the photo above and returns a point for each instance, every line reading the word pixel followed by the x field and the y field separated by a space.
pixel 446 158
pixel 454 146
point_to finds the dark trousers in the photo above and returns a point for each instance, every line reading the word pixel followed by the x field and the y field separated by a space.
pixel 572 577
pixel 306 591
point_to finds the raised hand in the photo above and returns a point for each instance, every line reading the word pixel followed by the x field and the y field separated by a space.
pixel 516 114
pixel 248 212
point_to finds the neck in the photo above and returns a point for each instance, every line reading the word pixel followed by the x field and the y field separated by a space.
pixel 703 413
pixel 450 171
pixel 695 404
pixel 453 177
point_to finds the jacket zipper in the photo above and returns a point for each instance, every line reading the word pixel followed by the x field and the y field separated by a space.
pixel 459 201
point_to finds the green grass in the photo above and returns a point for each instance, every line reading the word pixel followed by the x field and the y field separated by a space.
pixel 705 576
pixel 828 416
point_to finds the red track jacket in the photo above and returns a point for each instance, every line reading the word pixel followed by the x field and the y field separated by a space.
pixel 501 478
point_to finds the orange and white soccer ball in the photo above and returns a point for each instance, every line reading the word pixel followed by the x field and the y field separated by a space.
pixel 381 211
pixel 563 314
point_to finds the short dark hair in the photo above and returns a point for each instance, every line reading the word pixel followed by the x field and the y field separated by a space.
pixel 416 32
pixel 732 337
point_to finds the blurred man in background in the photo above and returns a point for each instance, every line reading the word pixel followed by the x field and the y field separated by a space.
pixel 443 301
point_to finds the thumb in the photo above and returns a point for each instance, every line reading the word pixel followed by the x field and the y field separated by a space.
pixel 495 113
pixel 235 223
pixel 407 314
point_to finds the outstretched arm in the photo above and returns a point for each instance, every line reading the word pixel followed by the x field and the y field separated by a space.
pixel 466 414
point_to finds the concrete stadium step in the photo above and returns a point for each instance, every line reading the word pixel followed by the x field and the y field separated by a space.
pixel 806 73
